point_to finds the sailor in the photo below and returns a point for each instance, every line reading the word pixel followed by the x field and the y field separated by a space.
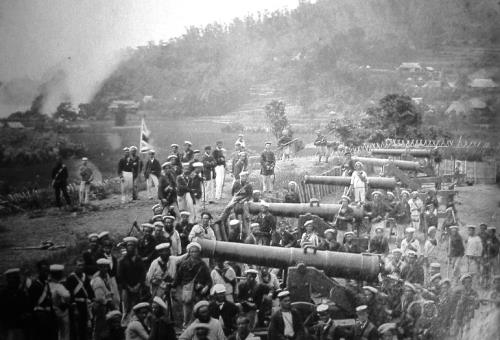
pixel 184 227
pixel 410 242
pixel 92 254
pixel 161 272
pixel 184 198
pixel 416 209
pixel 60 182
pixel 136 164
pixel 209 175
pixel 171 235
pixel 104 297
pixel 286 323
pixel 211 327
pixel 456 251
pixel 13 317
pixel 412 271
pixel 330 242
pixel 430 253
pixel 364 328
pixel 137 328
pixel 223 310
pixel 125 172
pixel 402 216
pixel 162 326
pixel 379 244
pixel 466 300
pixel 78 284
pixel 220 168
pixel 321 146
pixel 152 173
pixel 60 300
pixel 309 237
pixel 86 177
pixel 267 164
pixel 359 183
pixel 326 329
pixel 187 155
pixel 473 252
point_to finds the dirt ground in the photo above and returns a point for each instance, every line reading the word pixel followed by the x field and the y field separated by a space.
pixel 476 204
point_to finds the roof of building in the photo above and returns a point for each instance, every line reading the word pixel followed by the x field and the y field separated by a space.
pixel 127 104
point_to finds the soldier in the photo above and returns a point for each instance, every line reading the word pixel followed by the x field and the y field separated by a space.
pixel 125 172
pixel 320 143
pixel 309 237
pixel 104 298
pixel 184 227
pixel 222 309
pixel 60 300
pixel 286 323
pixel 196 184
pixel 379 244
pixel 152 173
pixel 166 188
pixel 359 183
pixel 456 250
pixel 184 198
pixel 466 301
pixel 138 327
pixel 364 328
pixel 491 251
pixel 136 164
pixel 78 285
pixel 330 242
pixel 267 163
pixel 60 182
pixel 131 275
pixel 220 169
pixel 92 254
pixel 267 224
pixel 14 317
pixel 209 175
pixel 194 276
pixel 44 325
pixel 410 242
pixel 473 252
pixel 161 272
pixel 86 177
pixel 187 155
pixel 412 271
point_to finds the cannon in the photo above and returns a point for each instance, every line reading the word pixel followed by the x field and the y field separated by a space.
pixel 399 152
pixel 326 211
pixel 310 273
pixel 403 165
pixel 374 182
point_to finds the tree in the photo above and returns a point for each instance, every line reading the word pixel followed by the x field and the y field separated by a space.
pixel 275 113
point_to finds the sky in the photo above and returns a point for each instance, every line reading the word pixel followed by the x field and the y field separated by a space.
pixel 83 37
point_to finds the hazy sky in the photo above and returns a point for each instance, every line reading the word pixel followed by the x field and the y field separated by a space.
pixel 38 34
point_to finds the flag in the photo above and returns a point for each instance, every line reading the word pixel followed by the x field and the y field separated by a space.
pixel 145 145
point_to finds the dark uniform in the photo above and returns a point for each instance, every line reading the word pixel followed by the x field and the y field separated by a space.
pixel 228 312
pixel 44 324
pixel 136 165
pixel 267 163
pixel 60 183
pixel 81 292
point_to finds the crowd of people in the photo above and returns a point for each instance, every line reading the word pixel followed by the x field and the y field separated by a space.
pixel 156 284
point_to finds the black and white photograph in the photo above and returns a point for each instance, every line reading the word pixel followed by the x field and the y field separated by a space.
pixel 249 170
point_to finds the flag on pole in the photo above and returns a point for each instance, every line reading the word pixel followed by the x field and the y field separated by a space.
pixel 145 145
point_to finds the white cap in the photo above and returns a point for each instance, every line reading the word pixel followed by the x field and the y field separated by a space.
pixel 198 164
pixel 103 261
pixel 184 213
pixel 465 276
pixel 333 231
pixel 12 271
pixel 470 226
pixel 436 276
pixel 130 239
pixel 158 224
pixel 85 159
pixel 157 217
pixel 361 308
pixel 218 288
pixel 397 250
pixel 251 271
pixel 172 145
pixel 93 235
pixel 386 328
pixel 348 233
pixel 376 192
pixel 411 253
pixel 431 229
pixel 244 173
pixel 309 222
pixel 254 225
pixel 168 217
pixel 165 164
pixel 113 314
pixel 410 230
pixel 103 234
pixel 160 302
pixel 234 222
pixel 405 192
pixel 435 265
pixel 140 305
pixel 188 142
pixel 162 246
pixel 193 244
pixel 371 289
pixel 322 308
pixel 56 267
pixel 283 294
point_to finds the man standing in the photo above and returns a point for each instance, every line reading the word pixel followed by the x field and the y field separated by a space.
pixel 60 182
pixel 220 168
pixel 60 300
pixel 286 323
pixel 320 143
pixel 188 154
pixel 125 174
pixel 364 329
pixel 152 173
pixel 166 188
pixel 184 199
pixel 161 272
pixel 359 183
pixel 209 175
pixel 78 285
pixel 224 311
pixel 430 253
pixel 184 227
pixel 410 243
pixel 473 252
pixel 136 170
pixel 131 275
pixel 284 144
pixel 86 176
pixel 267 163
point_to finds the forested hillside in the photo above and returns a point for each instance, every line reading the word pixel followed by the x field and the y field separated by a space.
pixel 314 52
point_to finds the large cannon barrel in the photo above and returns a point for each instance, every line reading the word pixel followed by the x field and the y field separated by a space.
pixel 296 209
pixel 374 182
pixel 334 264
pixel 403 165
pixel 398 152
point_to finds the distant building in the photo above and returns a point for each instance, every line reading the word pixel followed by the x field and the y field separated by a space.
pixel 120 109
pixel 410 67
pixel 13 125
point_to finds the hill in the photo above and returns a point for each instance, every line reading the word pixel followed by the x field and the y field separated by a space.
pixel 310 54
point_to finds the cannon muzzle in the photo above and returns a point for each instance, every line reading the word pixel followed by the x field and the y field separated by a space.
pixel 346 265
pixel 403 165
pixel 327 211
pixel 374 182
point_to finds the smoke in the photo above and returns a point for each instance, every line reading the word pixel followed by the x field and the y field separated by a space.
pixel 69 47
